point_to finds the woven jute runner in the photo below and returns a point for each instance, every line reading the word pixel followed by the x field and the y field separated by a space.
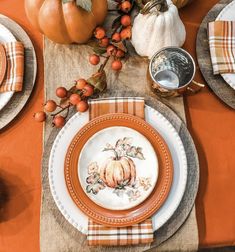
pixel 64 64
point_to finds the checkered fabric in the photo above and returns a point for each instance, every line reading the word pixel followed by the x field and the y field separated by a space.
pixel 222 46
pixel 13 80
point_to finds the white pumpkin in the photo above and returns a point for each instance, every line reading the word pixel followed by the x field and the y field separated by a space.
pixel 161 26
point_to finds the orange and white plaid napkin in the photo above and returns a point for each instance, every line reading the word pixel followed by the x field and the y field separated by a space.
pixel 13 80
pixel 222 46
pixel 99 235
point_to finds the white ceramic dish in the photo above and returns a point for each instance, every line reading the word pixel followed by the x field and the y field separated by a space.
pixel 5 37
pixel 227 14
pixel 112 149
pixel 56 169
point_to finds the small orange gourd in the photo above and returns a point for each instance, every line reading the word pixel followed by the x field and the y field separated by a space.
pixel 63 21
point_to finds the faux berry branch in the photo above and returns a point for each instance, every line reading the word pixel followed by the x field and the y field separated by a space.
pixel 114 45
pixel 104 47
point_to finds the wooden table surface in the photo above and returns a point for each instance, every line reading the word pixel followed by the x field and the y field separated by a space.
pixel 211 124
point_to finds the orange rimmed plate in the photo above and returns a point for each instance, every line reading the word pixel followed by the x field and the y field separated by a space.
pixel 3 63
pixel 102 215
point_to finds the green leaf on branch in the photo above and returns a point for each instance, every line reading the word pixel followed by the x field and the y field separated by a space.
pixel 99 50
pixel 98 81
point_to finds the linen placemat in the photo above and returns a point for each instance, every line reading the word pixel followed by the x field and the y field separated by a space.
pixel 222 46
pixel 70 62
pixel 13 80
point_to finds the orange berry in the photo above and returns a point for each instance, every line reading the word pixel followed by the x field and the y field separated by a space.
pixel 94 59
pixel 82 106
pixel 116 37
pixel 59 121
pixel 104 42
pixel 81 83
pixel 111 50
pixel 88 90
pixel 126 6
pixel 99 32
pixel 126 20
pixel 40 116
pixel 120 53
pixel 50 106
pixel 126 33
pixel 61 92
pixel 117 65
pixel 74 99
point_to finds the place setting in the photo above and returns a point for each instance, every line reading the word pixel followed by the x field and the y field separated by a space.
pixel 127 147
pixel 215 50
pixel 123 169
pixel 18 69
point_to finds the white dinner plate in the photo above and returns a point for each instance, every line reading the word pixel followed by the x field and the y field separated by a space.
pixel 228 14
pixel 112 168
pixel 56 169
pixel 5 37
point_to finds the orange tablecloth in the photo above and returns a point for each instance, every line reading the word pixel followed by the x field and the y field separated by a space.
pixel 211 123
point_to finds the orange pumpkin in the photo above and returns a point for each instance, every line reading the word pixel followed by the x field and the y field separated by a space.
pixel 63 21
pixel 181 3
pixel 115 171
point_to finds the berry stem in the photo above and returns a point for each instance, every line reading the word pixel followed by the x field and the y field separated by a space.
pixel 104 64
pixel 62 109
pixel 67 113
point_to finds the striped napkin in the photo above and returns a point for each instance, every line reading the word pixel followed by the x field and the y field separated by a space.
pixel 99 235
pixel 13 80
pixel 222 46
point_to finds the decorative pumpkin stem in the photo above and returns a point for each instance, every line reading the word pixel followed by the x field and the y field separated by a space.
pixel 161 6
pixel 116 155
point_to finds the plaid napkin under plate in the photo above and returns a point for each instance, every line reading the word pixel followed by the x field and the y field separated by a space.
pixel 141 233
pixel 13 80
pixel 222 46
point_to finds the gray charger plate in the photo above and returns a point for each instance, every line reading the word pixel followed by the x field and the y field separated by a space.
pixel 215 82
pixel 185 207
pixel 19 99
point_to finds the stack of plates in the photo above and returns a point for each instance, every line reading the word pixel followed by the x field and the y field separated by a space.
pixel 11 103
pixel 5 37
pixel 118 170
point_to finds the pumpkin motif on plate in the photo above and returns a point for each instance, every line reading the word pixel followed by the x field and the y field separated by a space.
pixel 65 21
pixel 117 172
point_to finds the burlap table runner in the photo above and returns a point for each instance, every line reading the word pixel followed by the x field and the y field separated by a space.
pixel 62 65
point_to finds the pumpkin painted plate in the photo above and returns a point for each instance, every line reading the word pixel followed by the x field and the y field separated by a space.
pixel 100 174
pixel 3 63
pixel 118 168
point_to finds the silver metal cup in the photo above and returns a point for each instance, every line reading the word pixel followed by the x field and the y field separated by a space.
pixel 172 69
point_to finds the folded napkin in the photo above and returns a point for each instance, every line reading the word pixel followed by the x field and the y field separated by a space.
pixel 115 236
pixel 222 46
pixel 13 80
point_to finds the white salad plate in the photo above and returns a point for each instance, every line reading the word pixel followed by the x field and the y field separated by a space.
pixel 115 147
pixel 56 169
pixel 228 14
pixel 5 37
